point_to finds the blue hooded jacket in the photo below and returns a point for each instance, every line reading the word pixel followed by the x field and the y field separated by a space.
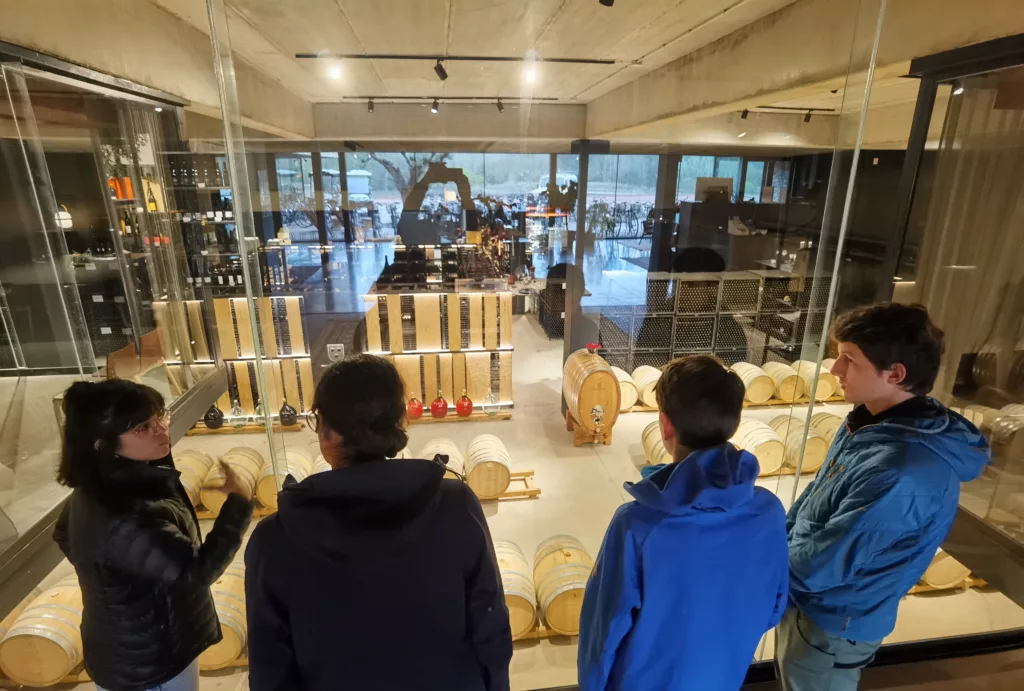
pixel 690 575
pixel 867 527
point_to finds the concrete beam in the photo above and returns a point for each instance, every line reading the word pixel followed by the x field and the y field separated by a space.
pixel 139 41
pixel 454 122
pixel 809 42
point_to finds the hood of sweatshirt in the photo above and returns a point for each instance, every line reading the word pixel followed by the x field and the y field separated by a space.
pixel 947 434
pixel 372 508
pixel 712 479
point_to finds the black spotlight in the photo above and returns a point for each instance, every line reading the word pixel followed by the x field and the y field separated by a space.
pixel 501 106
pixel 434 106
pixel 369 106
pixel 607 3
pixel 440 71
pixel 807 118
pixel 744 114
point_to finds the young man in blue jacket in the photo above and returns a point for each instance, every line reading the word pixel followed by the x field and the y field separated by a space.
pixel 694 570
pixel 866 528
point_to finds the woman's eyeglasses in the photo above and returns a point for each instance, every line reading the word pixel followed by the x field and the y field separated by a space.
pixel 313 420
pixel 153 425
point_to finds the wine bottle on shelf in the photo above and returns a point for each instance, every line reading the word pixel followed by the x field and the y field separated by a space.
pixel 175 180
pixel 150 197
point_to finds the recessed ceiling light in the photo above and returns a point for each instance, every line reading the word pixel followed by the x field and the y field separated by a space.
pixel 334 72
pixel 742 134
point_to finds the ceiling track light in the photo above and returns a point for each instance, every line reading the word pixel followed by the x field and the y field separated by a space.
pixel 440 71
pixel 744 114
pixel 607 3
pixel 435 106
pixel 500 105
pixel 369 106
pixel 807 118
pixel 741 135
pixel 958 89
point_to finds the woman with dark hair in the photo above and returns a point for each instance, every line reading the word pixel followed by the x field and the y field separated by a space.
pixel 133 538
pixel 378 574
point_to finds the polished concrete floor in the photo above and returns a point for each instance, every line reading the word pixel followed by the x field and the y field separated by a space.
pixel 581 488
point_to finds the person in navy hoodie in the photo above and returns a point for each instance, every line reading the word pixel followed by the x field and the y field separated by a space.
pixel 694 571
pixel 865 530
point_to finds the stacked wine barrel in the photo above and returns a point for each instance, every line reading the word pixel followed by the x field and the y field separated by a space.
pixel 809 372
pixel 628 393
pixel 592 392
pixel 646 380
pixel 758 385
pixel 654 447
pixel 826 424
pixel 791 430
pixel 762 441
pixel 229 600
pixel 194 466
pixel 788 384
pixel 294 463
pixel 827 364
pixel 247 465
pixel 517 582
pixel 561 567
pixel 445 447
pixel 487 466
pixel 42 641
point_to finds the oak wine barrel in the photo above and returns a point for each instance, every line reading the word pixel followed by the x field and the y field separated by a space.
pixel 44 644
pixel 517 581
pixel 788 384
pixel 194 466
pixel 646 379
pixel 808 372
pixel 229 600
pixel 654 448
pixel 791 430
pixel 628 393
pixel 591 390
pixel 487 466
pixel 247 464
pixel 561 567
pixel 294 463
pixel 445 447
pixel 762 441
pixel 758 385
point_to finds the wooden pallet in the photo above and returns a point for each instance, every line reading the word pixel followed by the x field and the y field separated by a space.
pixel 200 430
pixel 963 586
pixel 773 402
pixel 541 632
pixel 529 491
pixel 785 470
pixel 475 417
pixel 80 676
pixel 241 661
pixel 257 512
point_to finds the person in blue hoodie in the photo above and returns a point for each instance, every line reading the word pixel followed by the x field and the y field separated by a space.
pixel 693 571
pixel 865 530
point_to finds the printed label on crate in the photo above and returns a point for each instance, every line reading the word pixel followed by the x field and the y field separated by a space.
pixel 119 299
pixel 105 330
pixel 97 298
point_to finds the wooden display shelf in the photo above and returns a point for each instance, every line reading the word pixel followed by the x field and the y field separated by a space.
pixel 963 586
pixel 529 491
pixel 200 430
pixel 475 417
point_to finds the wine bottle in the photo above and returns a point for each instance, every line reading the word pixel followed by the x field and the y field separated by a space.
pixel 150 198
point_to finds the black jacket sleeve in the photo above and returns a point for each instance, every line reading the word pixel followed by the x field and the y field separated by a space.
pixel 159 551
pixel 60 530
pixel 272 663
pixel 489 629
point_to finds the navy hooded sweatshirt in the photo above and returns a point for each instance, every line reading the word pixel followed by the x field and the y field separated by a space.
pixel 376 577
pixel 689 577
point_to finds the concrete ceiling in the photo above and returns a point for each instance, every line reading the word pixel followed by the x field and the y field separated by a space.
pixel 682 70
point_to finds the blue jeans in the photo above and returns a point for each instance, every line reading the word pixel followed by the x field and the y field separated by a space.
pixel 812 660
pixel 188 680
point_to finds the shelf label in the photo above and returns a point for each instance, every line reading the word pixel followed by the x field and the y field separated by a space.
pixel 97 298
pixel 105 330
pixel 204 252
pixel 90 267
pixel 119 299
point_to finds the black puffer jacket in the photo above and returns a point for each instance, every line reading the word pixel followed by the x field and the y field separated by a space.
pixel 135 544
pixel 376 577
